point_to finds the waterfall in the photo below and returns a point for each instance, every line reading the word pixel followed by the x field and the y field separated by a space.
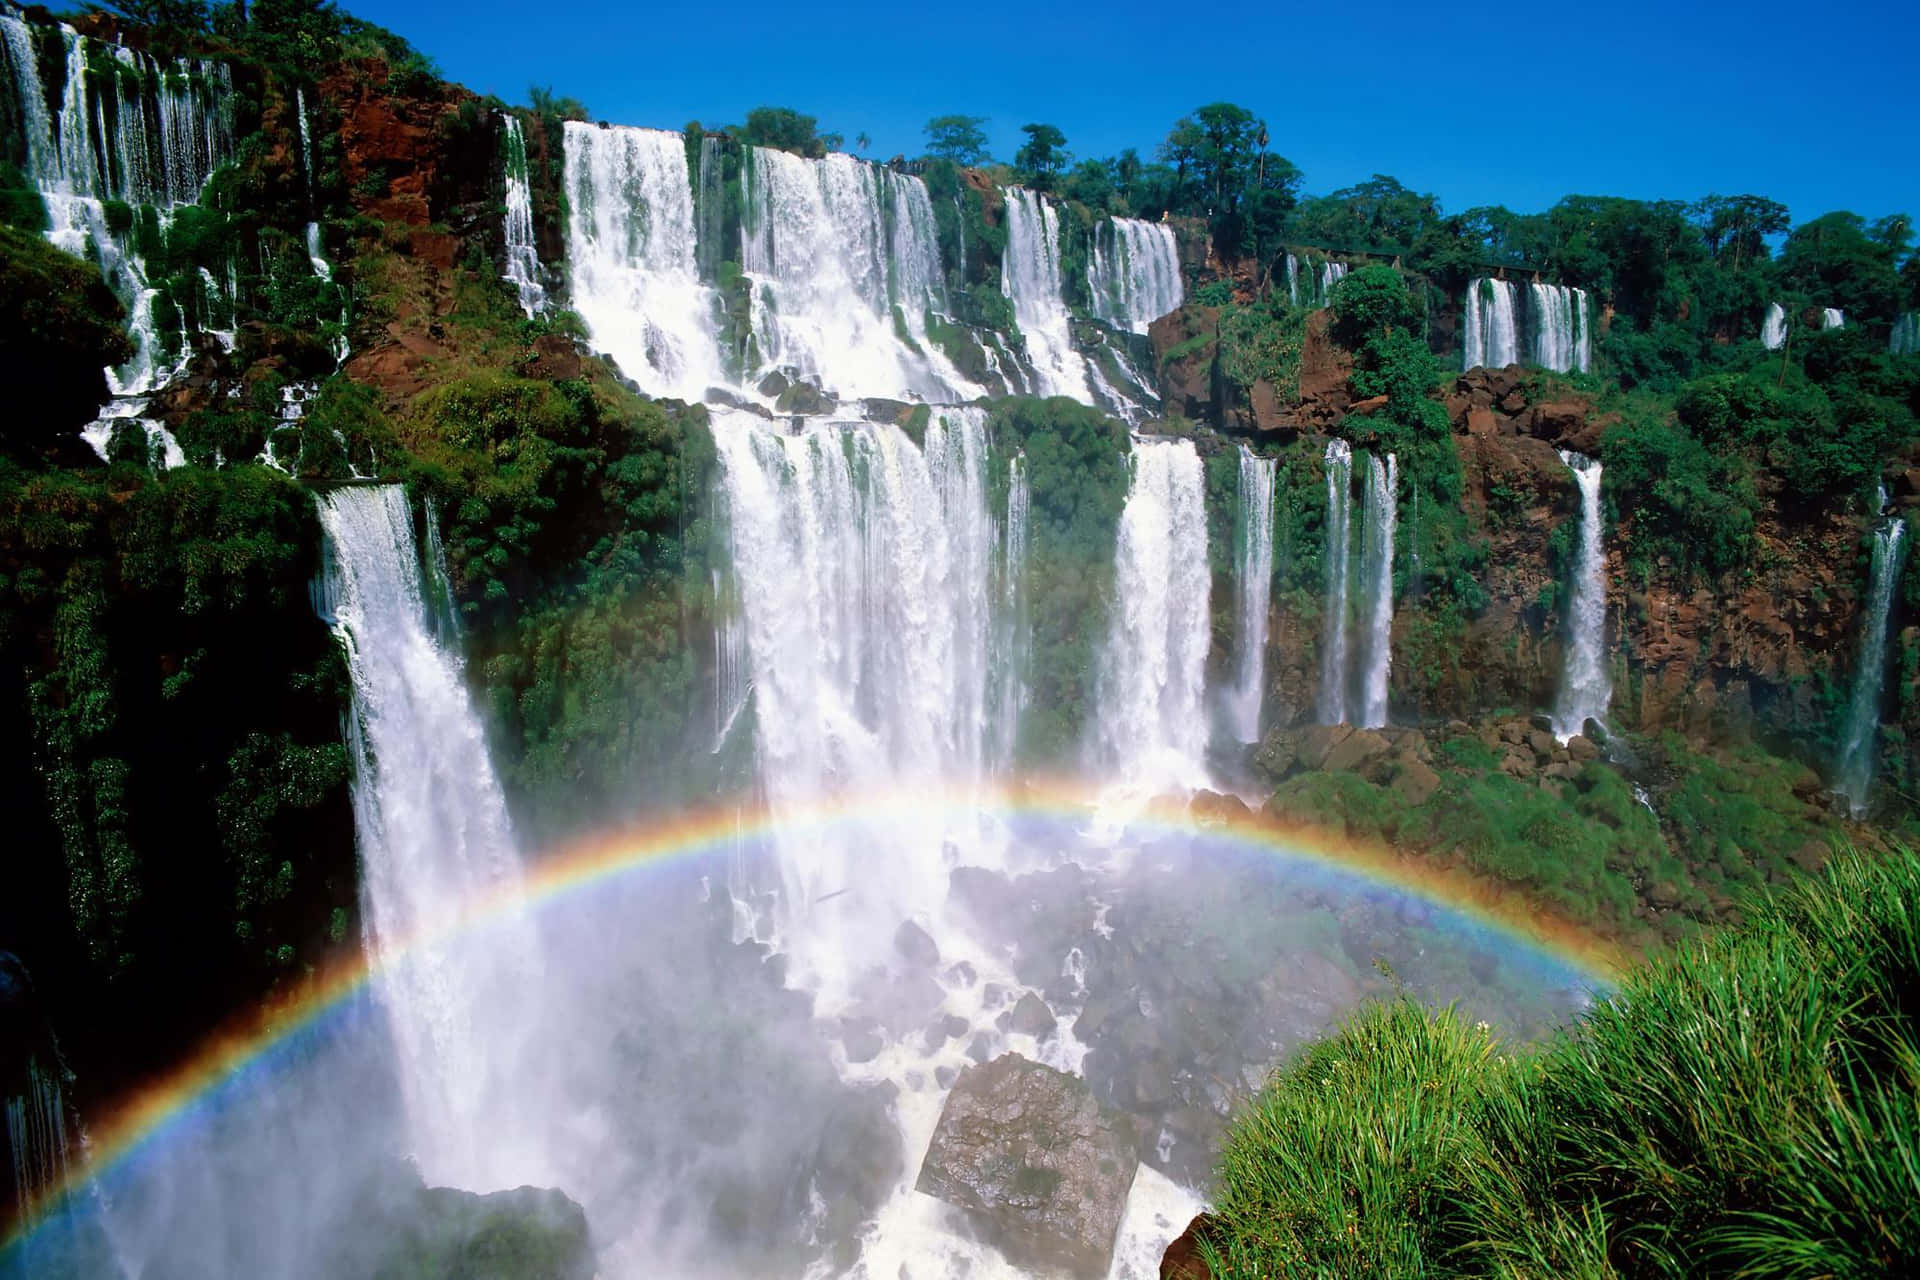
pixel 150 135
pixel 845 261
pixel 1491 339
pixel 631 259
pixel 435 844
pixel 1832 318
pixel 1383 512
pixel 1860 738
pixel 1133 272
pixel 1311 286
pixel 864 567
pixel 1905 339
pixel 1333 642
pixel 1585 686
pixel 1010 654
pixel 1331 273
pixel 1561 340
pixel 523 258
pixel 710 207
pixel 38 1138
pixel 1151 726
pixel 1252 587
pixel 306 142
pixel 1030 277
pixel 1773 330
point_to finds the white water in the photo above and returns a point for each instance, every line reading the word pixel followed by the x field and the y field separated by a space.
pixel 845 261
pixel 1333 641
pixel 1905 338
pixel 1311 285
pixel 85 154
pixel 1860 739
pixel 1491 340
pixel 1150 726
pixel 38 1136
pixel 435 841
pixel 631 259
pixel 1383 516
pixel 1562 340
pixel 1773 330
pixel 523 258
pixel 1252 590
pixel 1012 629
pixel 1133 273
pixel 1832 318
pixel 1586 688
pixel 1030 276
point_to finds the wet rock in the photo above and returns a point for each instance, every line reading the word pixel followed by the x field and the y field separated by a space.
pixel 1354 750
pixel 961 974
pixel 1414 779
pixel 950 1027
pixel 1031 1017
pixel 1211 806
pixel 981 1048
pixel 1581 748
pixel 1039 1166
pixel 861 1038
pixel 916 945
pixel 1541 742
pixel 945 1076
pixel 774 384
pixel 1183 1260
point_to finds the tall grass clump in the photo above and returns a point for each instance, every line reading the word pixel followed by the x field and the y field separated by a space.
pixel 1748 1105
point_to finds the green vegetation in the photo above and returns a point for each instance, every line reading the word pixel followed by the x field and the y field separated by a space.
pixel 1744 1106
pixel 957 139
pixel 61 326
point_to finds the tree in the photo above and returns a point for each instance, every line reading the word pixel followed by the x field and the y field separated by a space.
pixel 186 15
pixel 785 129
pixel 1838 261
pixel 957 138
pixel 1043 156
pixel 1736 227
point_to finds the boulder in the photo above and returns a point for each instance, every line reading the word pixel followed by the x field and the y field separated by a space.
pixel 1038 1165
pixel 1213 807
pixel 1414 779
pixel 1182 1260
pixel 1355 750
pixel 1316 743
pixel 1031 1016
pixel 916 946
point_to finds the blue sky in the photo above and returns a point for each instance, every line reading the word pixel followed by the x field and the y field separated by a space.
pixel 1517 104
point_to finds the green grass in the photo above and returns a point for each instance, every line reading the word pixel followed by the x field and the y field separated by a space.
pixel 1748 1105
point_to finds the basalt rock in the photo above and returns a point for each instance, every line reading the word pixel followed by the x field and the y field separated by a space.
pixel 1039 1166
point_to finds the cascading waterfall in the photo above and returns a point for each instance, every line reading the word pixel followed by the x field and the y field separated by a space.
pixel 1905 338
pixel 1773 329
pixel 1832 318
pixel 149 137
pixel 1491 341
pixel 1309 285
pixel 522 257
pixel 1133 272
pixel 1585 686
pixel 844 257
pixel 631 257
pixel 1331 274
pixel 1860 739
pixel 1010 653
pixel 1151 725
pixel 435 842
pixel 1383 516
pixel 38 1137
pixel 1333 641
pixel 1561 339
pixel 1252 588
pixel 1030 277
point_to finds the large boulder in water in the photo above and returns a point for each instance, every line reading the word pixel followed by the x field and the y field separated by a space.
pixel 1036 1162
pixel 400 1227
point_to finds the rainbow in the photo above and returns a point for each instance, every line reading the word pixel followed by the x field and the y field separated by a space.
pixel 145 1115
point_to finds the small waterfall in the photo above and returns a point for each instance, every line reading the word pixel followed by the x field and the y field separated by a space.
pixel 1491 338
pixel 1309 285
pixel 865 573
pixel 39 1140
pixel 1333 641
pixel 1585 686
pixel 730 682
pixel 1011 648
pixel 1133 274
pixel 1331 274
pixel 710 206
pixel 1905 339
pixel 1860 740
pixel 1383 514
pixel 845 261
pixel 523 258
pixel 631 257
pixel 150 134
pixel 1773 330
pixel 1561 339
pixel 1252 588
pixel 1151 726
pixel 1832 318
pixel 435 844
pixel 1030 277
pixel 306 143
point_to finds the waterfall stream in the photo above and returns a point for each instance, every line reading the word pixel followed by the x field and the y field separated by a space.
pixel 1860 737
pixel 1773 329
pixel 1383 517
pixel 435 845
pixel 1585 685
pixel 1252 589
pixel 1333 641
pixel 1491 341
pixel 1133 272
pixel 523 258
pixel 1030 277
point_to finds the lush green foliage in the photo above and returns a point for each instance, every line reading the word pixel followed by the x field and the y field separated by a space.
pixel 1747 1106
pixel 957 139
pixel 60 326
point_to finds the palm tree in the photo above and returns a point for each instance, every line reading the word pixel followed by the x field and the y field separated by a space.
pixel 862 141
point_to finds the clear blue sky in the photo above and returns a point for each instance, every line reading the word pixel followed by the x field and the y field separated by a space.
pixel 1813 104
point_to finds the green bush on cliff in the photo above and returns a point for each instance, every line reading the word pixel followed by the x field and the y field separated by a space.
pixel 60 326
pixel 1748 1105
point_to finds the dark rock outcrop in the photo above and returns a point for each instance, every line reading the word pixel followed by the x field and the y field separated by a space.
pixel 1040 1166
